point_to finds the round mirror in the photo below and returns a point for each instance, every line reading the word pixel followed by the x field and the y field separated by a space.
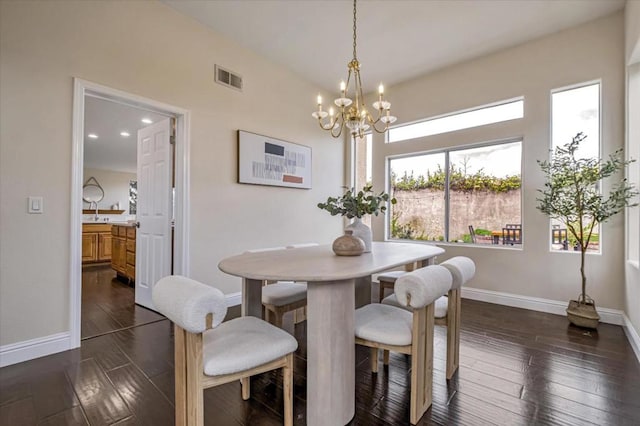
pixel 92 193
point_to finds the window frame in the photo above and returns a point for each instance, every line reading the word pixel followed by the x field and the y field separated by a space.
pixel 446 151
pixel 600 150
pixel 454 113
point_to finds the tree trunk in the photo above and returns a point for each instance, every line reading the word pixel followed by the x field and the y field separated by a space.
pixel 583 251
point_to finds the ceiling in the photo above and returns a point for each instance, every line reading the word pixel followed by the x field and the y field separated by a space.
pixel 107 119
pixel 397 40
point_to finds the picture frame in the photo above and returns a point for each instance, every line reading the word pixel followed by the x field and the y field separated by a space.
pixel 263 160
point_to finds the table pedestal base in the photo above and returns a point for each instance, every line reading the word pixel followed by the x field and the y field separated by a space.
pixel 330 353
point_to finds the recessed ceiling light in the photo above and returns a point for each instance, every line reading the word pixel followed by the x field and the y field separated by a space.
pixel 147 121
pixel 125 134
pixel 92 136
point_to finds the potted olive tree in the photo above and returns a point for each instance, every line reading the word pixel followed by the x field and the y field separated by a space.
pixel 572 195
pixel 355 205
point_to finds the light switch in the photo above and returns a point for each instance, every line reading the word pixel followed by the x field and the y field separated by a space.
pixel 36 205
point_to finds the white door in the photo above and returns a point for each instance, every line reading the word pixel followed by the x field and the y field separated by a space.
pixel 154 209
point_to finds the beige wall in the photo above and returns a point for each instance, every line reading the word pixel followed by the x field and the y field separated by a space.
pixel 588 52
pixel 632 31
pixel 150 50
pixel 632 277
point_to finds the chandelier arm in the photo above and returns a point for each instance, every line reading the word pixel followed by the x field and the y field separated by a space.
pixel 340 127
pixel 374 127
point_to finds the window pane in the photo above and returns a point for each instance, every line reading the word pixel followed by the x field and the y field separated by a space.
pixel 484 194
pixel 417 183
pixel 574 111
pixel 458 121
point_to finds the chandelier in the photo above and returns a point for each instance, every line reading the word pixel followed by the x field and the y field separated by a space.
pixel 351 111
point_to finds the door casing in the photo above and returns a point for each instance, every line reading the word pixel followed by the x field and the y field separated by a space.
pixel 81 88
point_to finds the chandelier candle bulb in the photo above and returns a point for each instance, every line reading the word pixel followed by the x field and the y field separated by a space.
pixel 319 100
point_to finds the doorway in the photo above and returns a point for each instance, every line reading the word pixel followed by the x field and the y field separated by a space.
pixel 117 210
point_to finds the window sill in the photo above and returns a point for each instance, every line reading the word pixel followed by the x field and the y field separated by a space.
pixel 465 245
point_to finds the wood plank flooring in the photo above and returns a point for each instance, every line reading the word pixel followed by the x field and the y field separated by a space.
pixel 517 367
pixel 108 304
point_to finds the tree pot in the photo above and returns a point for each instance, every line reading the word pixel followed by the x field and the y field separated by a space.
pixel 583 314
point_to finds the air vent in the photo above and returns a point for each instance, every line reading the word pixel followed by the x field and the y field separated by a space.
pixel 228 78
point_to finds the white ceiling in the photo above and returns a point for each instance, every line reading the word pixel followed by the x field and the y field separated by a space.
pixel 397 40
pixel 107 119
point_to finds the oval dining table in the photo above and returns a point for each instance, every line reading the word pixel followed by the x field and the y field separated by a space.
pixel 331 284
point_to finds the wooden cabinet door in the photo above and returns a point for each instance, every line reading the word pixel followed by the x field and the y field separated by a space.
pixel 104 246
pixel 89 247
pixel 118 254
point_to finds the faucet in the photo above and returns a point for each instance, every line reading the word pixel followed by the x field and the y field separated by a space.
pixel 96 217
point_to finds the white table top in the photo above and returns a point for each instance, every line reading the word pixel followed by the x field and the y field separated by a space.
pixel 320 263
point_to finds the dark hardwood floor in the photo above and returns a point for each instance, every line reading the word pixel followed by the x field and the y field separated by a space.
pixel 108 304
pixel 517 367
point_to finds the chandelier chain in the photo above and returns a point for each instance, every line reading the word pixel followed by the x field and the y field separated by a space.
pixel 354 30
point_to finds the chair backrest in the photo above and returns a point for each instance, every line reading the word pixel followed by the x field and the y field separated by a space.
pixel 423 286
pixel 513 226
pixel 187 302
pixel 472 233
pixel 512 235
pixel 462 269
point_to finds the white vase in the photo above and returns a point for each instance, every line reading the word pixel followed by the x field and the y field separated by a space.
pixel 361 231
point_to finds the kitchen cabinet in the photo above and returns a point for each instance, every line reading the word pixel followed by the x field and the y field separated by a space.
pixel 96 242
pixel 123 251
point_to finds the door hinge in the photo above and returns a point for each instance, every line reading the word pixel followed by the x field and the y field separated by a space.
pixel 172 140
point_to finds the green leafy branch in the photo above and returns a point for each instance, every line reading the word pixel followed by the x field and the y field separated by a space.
pixel 353 204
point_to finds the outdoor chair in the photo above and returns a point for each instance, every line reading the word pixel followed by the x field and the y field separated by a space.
pixel 512 234
pixel 209 352
pixel 447 309
pixel 560 236
pixel 390 328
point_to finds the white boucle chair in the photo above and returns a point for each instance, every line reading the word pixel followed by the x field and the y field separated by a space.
pixel 209 353
pixel 284 296
pixel 394 329
pixel 447 309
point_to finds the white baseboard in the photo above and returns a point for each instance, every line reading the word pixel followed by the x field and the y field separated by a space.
pixel 34 348
pixel 233 299
pixel 632 335
pixel 609 316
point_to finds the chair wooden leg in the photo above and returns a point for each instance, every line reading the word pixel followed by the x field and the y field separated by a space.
pixel 180 375
pixel 277 318
pixel 374 359
pixel 385 357
pixel 194 389
pixel 287 379
pixel 421 363
pixel 453 333
pixel 245 384
pixel 299 315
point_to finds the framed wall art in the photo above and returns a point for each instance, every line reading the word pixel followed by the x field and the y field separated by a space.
pixel 263 160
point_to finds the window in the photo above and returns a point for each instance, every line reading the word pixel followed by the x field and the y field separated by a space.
pixel 362 161
pixel 442 196
pixel 133 196
pixel 575 110
pixel 481 116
